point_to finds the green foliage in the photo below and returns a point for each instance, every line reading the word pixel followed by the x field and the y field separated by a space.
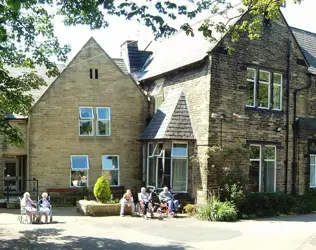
pixel 102 191
pixel 216 210
pixel 274 204
pixel 190 209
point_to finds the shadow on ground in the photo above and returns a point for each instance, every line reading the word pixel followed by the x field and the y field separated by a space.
pixel 53 239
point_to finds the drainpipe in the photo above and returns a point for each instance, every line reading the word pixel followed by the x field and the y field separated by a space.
pixel 287 116
pixel 294 163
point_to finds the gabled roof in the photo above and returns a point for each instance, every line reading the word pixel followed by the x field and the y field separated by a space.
pixel 172 119
pixel 181 50
pixel 307 42
pixel 41 71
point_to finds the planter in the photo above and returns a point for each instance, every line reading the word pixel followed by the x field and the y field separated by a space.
pixel 93 208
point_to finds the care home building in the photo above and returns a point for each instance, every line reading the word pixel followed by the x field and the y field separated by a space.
pixel 139 120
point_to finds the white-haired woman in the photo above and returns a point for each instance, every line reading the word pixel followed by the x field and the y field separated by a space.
pixel 145 198
pixel 29 206
pixel 44 207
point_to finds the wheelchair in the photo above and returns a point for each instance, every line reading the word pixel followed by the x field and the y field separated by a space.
pixel 23 218
pixel 43 210
pixel 140 208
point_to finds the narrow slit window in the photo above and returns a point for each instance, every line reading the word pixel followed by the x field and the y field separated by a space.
pixel 91 75
pixel 96 74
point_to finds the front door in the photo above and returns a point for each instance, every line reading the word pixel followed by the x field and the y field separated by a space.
pixel 11 175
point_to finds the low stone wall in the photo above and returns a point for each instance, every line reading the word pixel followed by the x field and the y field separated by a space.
pixel 93 208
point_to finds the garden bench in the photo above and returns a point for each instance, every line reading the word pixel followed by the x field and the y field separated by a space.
pixel 63 190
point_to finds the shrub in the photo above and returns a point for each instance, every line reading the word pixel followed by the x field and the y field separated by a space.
pixel 190 209
pixel 216 210
pixel 102 191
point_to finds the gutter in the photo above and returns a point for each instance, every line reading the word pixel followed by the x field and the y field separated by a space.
pixel 294 163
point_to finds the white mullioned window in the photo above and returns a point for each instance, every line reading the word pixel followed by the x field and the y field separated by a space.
pixel 158 95
pixel 262 169
pixel 264 89
pixel 79 170
pixel 179 167
pixel 103 121
pixel 86 117
pixel 111 169
pixel 277 91
pixel 251 87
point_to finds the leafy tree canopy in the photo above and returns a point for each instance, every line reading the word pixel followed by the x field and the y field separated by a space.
pixel 27 35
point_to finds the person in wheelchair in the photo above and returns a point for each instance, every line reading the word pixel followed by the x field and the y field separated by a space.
pixel 44 207
pixel 144 200
pixel 166 197
pixel 29 206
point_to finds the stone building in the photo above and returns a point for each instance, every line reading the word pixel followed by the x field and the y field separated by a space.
pixel 190 95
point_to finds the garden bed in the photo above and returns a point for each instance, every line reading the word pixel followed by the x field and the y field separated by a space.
pixel 94 208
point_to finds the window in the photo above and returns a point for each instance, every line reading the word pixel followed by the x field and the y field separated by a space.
pixel 79 170
pixel 86 121
pixel 312 175
pixel 179 166
pixel 96 74
pixel 277 91
pixel 262 169
pixel 251 87
pixel 269 169
pixel 264 91
pixel 158 95
pixel 103 121
pixel 254 168
pixel 110 169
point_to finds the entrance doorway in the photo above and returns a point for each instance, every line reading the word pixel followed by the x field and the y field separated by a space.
pixel 11 175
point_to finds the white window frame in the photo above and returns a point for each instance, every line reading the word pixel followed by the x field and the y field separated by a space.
pixel 80 169
pixel 180 157
pixel 272 160
pixel 97 119
pixel 269 89
pixel 312 165
pixel 156 93
pixel 254 81
pixel 281 90
pixel 86 119
pixel 118 168
pixel 161 155
pixel 260 162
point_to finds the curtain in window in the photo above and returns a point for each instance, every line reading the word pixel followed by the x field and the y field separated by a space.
pixel 269 176
pixel 179 174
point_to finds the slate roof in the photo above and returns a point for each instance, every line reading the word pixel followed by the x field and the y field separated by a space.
pixel 172 119
pixel 121 64
pixel 180 50
pixel 307 42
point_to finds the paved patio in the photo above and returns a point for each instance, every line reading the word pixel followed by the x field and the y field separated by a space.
pixel 73 231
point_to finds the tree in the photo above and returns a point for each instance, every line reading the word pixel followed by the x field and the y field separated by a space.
pixel 27 35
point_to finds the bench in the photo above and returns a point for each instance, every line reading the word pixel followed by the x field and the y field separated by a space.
pixel 63 190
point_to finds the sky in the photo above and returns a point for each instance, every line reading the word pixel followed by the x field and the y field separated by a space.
pixel 297 15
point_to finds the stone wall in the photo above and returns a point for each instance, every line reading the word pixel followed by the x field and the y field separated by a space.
pixel 229 92
pixel 54 121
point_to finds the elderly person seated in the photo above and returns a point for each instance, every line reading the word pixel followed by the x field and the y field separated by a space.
pixel 127 200
pixel 29 206
pixel 145 198
pixel 166 197
pixel 44 207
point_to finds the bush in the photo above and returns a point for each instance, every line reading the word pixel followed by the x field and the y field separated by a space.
pixel 190 209
pixel 216 210
pixel 102 191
